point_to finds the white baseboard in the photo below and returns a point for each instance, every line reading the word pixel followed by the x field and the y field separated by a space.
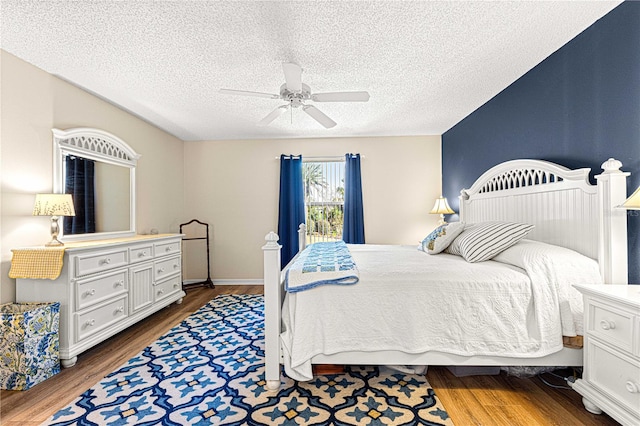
pixel 238 282
pixel 253 281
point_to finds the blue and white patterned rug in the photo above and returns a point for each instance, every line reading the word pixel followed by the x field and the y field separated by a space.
pixel 210 370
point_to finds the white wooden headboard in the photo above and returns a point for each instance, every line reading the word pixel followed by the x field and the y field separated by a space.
pixel 564 207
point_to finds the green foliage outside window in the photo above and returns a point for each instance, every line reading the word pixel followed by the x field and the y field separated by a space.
pixel 324 200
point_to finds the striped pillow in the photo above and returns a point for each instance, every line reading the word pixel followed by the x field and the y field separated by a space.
pixel 481 241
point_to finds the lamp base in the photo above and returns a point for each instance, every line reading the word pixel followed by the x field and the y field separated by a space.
pixel 55 229
pixel 54 243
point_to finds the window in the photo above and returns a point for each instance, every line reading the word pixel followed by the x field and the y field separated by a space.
pixel 323 184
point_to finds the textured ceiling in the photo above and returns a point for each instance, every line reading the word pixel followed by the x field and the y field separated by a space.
pixel 426 64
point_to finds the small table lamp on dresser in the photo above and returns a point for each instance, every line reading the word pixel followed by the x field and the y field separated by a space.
pixel 54 205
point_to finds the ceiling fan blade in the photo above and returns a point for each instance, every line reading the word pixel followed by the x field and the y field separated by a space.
pixel 341 97
pixel 273 115
pixel 247 93
pixel 292 76
pixel 319 116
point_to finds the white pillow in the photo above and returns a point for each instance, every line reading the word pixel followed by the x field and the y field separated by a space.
pixel 528 251
pixel 440 238
pixel 482 241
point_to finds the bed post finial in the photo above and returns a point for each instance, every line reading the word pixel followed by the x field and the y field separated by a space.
pixel 272 240
pixel 612 249
pixel 302 237
pixel 611 166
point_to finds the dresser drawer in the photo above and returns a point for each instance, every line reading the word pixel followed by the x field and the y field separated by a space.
pixel 166 248
pixel 611 324
pixel 140 253
pixel 93 262
pixel 614 373
pixel 101 317
pixel 166 267
pixel 94 290
pixel 167 287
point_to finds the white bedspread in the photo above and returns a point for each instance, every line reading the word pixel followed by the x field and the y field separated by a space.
pixel 558 269
pixel 411 301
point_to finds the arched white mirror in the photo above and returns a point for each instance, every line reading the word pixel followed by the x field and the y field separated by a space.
pixel 107 175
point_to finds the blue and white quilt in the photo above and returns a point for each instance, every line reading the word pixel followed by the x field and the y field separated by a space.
pixel 320 264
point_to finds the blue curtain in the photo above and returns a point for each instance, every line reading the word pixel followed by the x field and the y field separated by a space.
pixel 353 231
pixel 291 208
pixel 80 183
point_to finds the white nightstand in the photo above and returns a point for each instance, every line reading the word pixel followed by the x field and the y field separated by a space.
pixel 611 377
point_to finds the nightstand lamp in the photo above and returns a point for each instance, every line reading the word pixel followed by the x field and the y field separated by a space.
pixel 633 202
pixel 441 207
pixel 54 205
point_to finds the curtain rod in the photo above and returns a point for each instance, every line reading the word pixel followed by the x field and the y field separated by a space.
pixel 323 157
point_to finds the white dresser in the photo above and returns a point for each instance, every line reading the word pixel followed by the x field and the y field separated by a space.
pixel 106 286
pixel 611 377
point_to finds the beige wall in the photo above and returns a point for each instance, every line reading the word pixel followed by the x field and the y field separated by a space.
pixel 233 186
pixel 33 102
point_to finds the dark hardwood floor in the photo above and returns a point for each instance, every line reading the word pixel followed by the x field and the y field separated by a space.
pixel 473 400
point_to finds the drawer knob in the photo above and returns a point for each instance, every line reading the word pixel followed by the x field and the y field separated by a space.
pixel 175 266
pixel 168 248
pixel 119 309
pixel 161 291
pixel 120 283
pixel 160 270
pixel 607 325
pixel 106 261
pixel 90 292
pixel 632 387
pixel 90 323
pixel 142 254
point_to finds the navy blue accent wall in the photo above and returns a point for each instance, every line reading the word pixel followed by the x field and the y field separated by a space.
pixel 577 108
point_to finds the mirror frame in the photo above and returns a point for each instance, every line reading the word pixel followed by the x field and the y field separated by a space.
pixel 97 145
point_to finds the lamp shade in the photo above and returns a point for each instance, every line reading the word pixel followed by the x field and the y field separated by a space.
pixel 441 207
pixel 633 202
pixel 54 205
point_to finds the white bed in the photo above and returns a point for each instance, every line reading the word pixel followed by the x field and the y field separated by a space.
pixel 567 212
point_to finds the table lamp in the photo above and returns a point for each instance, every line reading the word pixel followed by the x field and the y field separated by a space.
pixel 54 205
pixel 633 202
pixel 441 207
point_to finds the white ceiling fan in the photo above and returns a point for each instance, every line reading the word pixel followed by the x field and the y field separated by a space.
pixel 295 93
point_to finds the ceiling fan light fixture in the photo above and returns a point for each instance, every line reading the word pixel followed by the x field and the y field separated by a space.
pixel 295 98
